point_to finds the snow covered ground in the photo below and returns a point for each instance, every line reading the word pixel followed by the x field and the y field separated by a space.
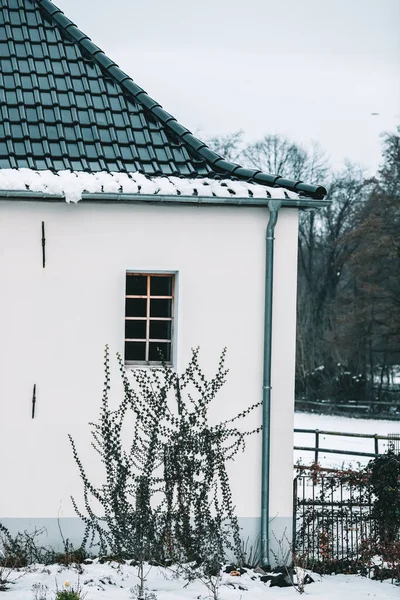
pixel 346 424
pixel 114 582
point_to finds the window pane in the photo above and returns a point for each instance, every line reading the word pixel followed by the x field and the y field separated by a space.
pixel 160 308
pixel 159 351
pixel 135 307
pixel 135 329
pixel 161 286
pixel 135 351
pixel 136 285
pixel 160 330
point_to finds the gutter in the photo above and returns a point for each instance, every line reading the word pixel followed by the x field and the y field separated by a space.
pixel 274 206
pixel 121 198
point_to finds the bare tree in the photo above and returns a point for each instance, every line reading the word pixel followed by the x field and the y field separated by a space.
pixel 278 155
pixel 230 145
pixel 324 250
pixel 348 273
pixel 368 322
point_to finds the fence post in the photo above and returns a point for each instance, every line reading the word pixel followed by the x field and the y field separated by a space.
pixel 376 444
pixel 294 524
pixel 316 445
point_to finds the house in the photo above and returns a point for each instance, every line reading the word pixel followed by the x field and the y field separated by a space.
pixel 104 194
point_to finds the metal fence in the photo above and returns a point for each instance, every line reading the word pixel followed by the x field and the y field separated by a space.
pixel 332 516
pixel 388 408
pixel 333 520
pixel 376 447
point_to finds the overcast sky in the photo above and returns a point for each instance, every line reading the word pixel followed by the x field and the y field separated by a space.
pixel 307 69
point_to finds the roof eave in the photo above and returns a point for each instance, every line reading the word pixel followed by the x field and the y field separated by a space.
pixel 120 198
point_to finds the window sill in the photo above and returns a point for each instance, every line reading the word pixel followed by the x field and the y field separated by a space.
pixel 146 365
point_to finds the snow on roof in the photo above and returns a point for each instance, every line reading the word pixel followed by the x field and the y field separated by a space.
pixel 72 184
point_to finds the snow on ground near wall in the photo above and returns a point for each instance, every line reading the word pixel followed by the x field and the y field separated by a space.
pixel 346 424
pixel 72 185
pixel 113 582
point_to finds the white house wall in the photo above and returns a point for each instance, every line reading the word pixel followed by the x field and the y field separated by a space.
pixel 55 322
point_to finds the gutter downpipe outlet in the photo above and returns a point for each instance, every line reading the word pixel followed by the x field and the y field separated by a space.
pixel 274 206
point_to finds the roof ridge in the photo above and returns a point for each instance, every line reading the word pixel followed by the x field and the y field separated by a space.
pixel 215 160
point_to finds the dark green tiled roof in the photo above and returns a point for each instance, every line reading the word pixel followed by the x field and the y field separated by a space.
pixel 59 111
pixel 65 105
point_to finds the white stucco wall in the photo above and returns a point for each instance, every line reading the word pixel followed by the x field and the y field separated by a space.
pixel 55 322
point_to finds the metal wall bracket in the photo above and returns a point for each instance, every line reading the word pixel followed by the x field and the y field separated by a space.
pixel 33 401
pixel 43 246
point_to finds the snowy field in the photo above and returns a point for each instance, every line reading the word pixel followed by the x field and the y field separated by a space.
pixel 345 424
pixel 114 582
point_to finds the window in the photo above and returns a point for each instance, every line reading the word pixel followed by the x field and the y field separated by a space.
pixel 149 306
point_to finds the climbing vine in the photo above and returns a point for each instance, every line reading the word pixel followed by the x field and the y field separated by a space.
pixel 166 496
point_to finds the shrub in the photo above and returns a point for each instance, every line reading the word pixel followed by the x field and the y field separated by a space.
pixel 384 479
pixel 166 497
pixel 22 549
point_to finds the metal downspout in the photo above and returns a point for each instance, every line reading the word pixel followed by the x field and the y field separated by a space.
pixel 274 206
